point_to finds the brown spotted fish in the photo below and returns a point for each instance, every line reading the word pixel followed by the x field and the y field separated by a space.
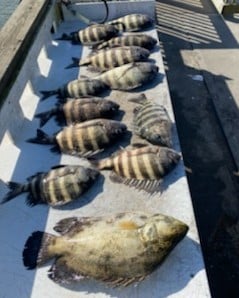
pixel 91 35
pixel 113 57
pixel 77 88
pixel 83 139
pixel 140 40
pixel 119 249
pixel 142 168
pixel 151 122
pixel 79 110
pixel 132 22
pixel 59 186
pixel 129 76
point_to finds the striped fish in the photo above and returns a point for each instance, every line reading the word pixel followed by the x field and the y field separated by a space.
pixel 141 40
pixel 77 88
pixel 151 122
pixel 92 35
pixel 118 249
pixel 129 76
pixel 83 139
pixel 79 110
pixel 110 58
pixel 142 168
pixel 59 186
pixel 132 22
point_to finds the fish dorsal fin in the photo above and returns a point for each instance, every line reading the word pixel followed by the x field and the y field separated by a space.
pixel 74 224
pixel 140 99
pixel 57 167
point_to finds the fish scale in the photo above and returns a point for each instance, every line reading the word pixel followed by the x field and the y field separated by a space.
pixel 141 40
pixel 151 122
pixel 118 249
pixel 136 166
pixel 83 139
pixel 59 186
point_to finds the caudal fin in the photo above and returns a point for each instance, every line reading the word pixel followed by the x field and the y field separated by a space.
pixel 42 138
pixel 16 189
pixel 45 116
pixel 47 94
pixel 65 37
pixel 75 63
pixel 36 249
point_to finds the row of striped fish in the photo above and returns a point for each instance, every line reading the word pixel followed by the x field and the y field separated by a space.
pixel 98 33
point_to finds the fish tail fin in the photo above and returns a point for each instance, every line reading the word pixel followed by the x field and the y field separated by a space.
pixel 102 164
pixel 36 250
pixel 42 138
pixel 47 94
pixel 15 190
pixel 64 37
pixel 75 63
pixel 45 116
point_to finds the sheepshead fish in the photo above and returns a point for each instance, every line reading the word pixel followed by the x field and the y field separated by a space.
pixel 119 249
pixel 142 167
pixel 91 35
pixel 59 186
pixel 110 58
pixel 132 22
pixel 129 76
pixel 83 139
pixel 151 122
pixel 140 40
pixel 80 110
pixel 77 88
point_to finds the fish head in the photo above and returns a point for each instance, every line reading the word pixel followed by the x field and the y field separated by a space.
pixel 163 231
pixel 158 135
pixel 142 54
pixel 108 108
pixel 114 128
pixel 152 42
pixel 168 158
pixel 87 174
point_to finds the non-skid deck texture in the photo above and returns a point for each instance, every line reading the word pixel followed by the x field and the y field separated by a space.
pixel 181 275
pixel 201 56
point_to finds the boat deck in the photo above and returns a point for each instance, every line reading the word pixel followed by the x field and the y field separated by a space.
pixel 181 275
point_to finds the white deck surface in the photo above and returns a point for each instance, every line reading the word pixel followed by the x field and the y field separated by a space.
pixel 181 275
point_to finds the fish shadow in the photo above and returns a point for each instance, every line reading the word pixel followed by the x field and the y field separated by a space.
pixel 87 197
pixel 166 280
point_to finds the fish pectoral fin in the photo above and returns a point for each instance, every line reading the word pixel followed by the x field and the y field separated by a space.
pixel 116 178
pixel 123 281
pixel 61 272
pixel 77 224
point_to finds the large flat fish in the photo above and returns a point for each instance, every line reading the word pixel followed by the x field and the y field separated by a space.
pixel 142 168
pixel 142 40
pixel 91 35
pixel 129 76
pixel 77 88
pixel 119 249
pixel 107 59
pixel 132 22
pixel 151 121
pixel 83 139
pixel 79 110
pixel 60 186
